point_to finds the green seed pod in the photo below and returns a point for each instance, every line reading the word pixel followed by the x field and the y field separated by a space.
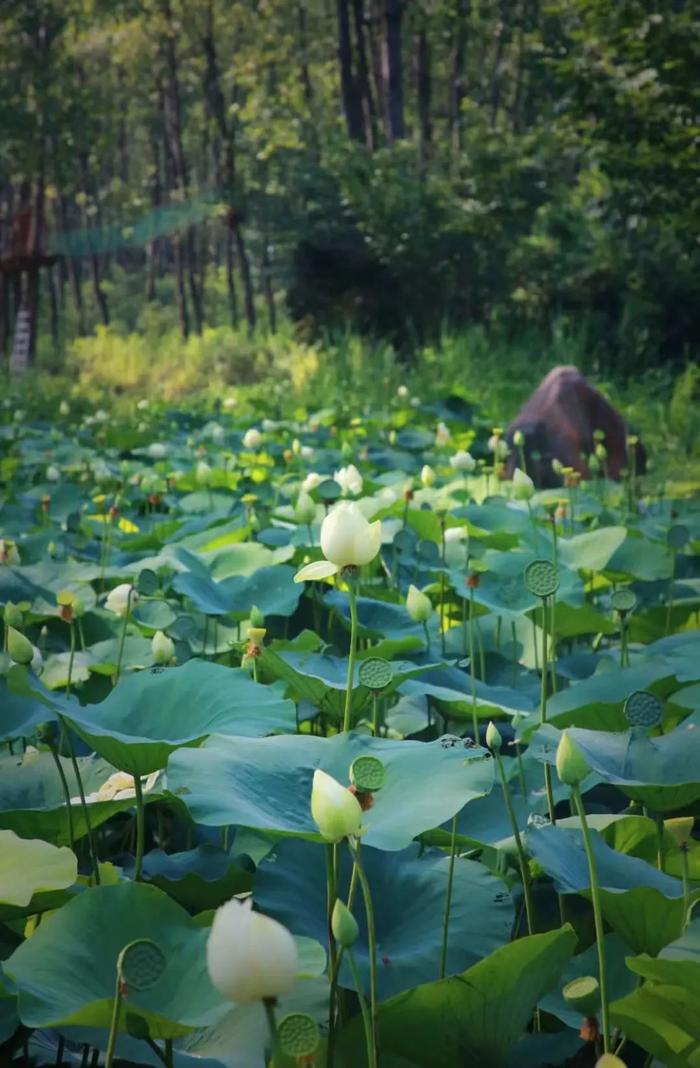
pixel 19 647
pixel 572 768
pixel 609 1060
pixel 681 828
pixel 583 995
pixel 493 737
pixel 141 964
pixel 298 1035
pixel 375 673
pixel 623 601
pixel 541 578
pixel 367 773
pixel 344 925
pixel 643 709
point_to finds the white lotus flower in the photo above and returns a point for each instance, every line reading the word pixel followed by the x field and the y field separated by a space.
pixel 498 446
pixel 252 439
pixel 53 473
pixel 349 479
pixel 453 534
pixel 335 810
pixel 306 452
pixel 143 404
pixel 157 450
pixel 463 461
pixel 203 473
pixel 162 648
pixel 442 434
pixel 121 599
pixel 230 403
pixel 402 391
pixel 523 486
pixel 347 540
pixel 250 957
pixel 312 481
pixel 118 787
pixel 427 475
pixel 418 605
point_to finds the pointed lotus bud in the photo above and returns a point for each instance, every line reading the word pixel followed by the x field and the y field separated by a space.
pixel 518 439
pixel 681 828
pixel 256 618
pixel 344 925
pixel 20 648
pixel 427 475
pixel 523 486
pixel 250 957
pixel 13 615
pixel 493 737
pixel 121 599
pixel 336 811
pixel 572 768
pixel 256 635
pixel 304 509
pixel 418 605
pixel 162 648
pixel 347 539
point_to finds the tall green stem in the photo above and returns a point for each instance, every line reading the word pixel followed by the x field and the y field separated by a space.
pixel 448 898
pixel 472 666
pixel 114 1024
pixel 522 858
pixel 66 793
pixel 366 1020
pixel 372 944
pixel 269 1007
pixel 71 658
pixel 351 659
pixel 123 639
pixel 686 885
pixel 81 790
pixel 597 917
pixel 543 705
pixel 140 829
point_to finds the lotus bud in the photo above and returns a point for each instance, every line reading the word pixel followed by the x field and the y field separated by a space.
pixel 250 957
pixel 681 828
pixel 344 925
pixel 518 439
pixel 64 408
pixel 493 737
pixel 557 466
pixel 523 486
pixel 346 451
pixel 402 391
pixel 304 509
pixel 203 474
pixel 257 619
pixel 335 810
pixel 442 434
pixel 427 475
pixel 418 605
pixel 20 648
pixel 572 768
pixel 13 615
pixel 347 539
pixel 463 461
pixel 601 452
pixel 53 473
pixel 162 648
pixel 252 439
pixel 121 599
pixel 9 553
pixel 296 447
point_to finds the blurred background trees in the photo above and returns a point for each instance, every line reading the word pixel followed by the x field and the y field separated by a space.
pixel 392 167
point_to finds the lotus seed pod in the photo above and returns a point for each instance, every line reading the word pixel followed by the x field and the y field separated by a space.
pixel 609 1060
pixel 344 925
pixel 367 773
pixel 681 828
pixel 572 768
pixel 375 673
pixel 257 619
pixel 141 964
pixel 643 709
pixel 541 578
pixel 583 995
pixel 493 737
pixel 256 635
pixel 298 1036
pixel 20 648
pixel 162 648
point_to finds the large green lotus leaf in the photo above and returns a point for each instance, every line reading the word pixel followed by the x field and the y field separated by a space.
pixel 677 965
pixel 506 595
pixel 61 667
pixel 29 866
pixel 592 550
pixel 20 714
pixel 451 690
pixel 570 621
pixel 639 836
pixel 65 973
pixel 662 771
pixel 32 802
pixel 663 1019
pixel 150 714
pixel 597 702
pixel 377 619
pixel 641 558
pixel 512 565
pixel 472 1018
pixel 271 589
pixel 154 615
pixel 208 596
pixel 136 655
pixel 643 905
pixel 242 559
pixel 9 1020
pixel 266 783
pixel 199 879
pixel 408 892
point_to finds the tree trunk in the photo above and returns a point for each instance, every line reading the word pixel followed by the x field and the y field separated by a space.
pixel 369 110
pixel 350 97
pixel 393 68
pixel 53 309
pixel 456 88
pixel 304 75
pixel 423 95
pixel 180 295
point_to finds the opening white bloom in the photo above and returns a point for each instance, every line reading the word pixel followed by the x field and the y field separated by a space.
pixel 118 787
pixel 250 957
pixel 336 811
pixel 347 540
pixel 456 534
pixel 418 605
pixel 349 479
pixel 252 439
pixel 312 481
pixel 463 461
pixel 119 601
pixel 523 486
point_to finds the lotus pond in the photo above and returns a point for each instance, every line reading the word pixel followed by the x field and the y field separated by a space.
pixel 441 727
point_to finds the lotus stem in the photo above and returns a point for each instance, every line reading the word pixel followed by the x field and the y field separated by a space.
pixel 522 857
pixel 140 829
pixel 114 1024
pixel 83 803
pixel 543 707
pixel 597 917
pixel 123 638
pixel 448 898
pixel 372 943
pixel 66 793
pixel 366 1019
pixel 347 717
pixel 472 678
pixel 269 1007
